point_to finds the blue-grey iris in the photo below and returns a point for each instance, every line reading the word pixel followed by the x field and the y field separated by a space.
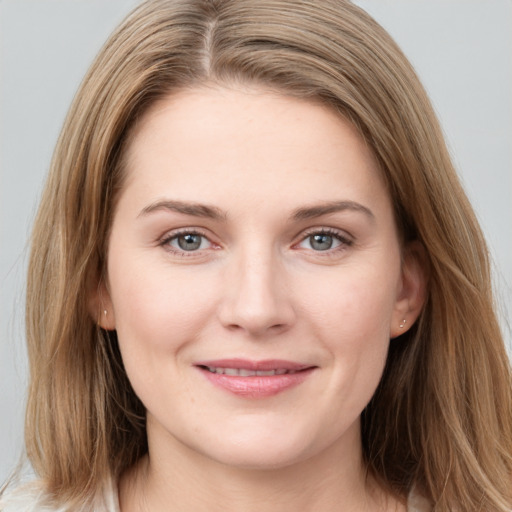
pixel 321 242
pixel 189 242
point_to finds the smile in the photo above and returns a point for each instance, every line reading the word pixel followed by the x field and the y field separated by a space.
pixel 249 373
pixel 255 379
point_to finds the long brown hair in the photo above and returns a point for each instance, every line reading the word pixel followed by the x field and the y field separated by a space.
pixel 441 419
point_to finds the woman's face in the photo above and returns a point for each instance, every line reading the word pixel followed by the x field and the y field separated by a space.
pixel 254 276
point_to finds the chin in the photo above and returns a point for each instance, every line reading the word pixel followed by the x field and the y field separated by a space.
pixel 263 446
pixel 260 458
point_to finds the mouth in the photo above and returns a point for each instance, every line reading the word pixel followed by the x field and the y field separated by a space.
pixel 255 379
pixel 242 372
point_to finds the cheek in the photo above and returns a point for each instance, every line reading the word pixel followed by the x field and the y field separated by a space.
pixel 156 308
pixel 158 313
pixel 353 303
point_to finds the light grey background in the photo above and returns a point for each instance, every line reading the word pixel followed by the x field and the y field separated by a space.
pixel 462 50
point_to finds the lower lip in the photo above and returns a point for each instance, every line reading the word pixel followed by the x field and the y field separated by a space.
pixel 257 386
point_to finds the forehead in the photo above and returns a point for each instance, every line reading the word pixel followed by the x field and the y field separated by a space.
pixel 204 139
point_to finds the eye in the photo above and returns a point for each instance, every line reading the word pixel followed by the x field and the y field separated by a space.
pixel 324 240
pixel 188 241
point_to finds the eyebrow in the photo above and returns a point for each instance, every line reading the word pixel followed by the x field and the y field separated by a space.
pixel 185 208
pixel 214 213
pixel 314 211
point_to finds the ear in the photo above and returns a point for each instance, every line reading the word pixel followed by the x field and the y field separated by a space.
pixel 100 305
pixel 412 289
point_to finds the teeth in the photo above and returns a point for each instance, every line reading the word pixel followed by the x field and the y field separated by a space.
pixel 241 372
pixel 263 373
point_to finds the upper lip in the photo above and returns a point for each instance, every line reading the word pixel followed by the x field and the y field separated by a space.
pixel 246 364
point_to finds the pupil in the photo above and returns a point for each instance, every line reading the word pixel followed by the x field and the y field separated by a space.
pixel 321 242
pixel 189 242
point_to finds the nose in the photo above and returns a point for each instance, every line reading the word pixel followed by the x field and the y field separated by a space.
pixel 256 299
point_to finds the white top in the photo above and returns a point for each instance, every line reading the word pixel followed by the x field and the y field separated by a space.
pixel 29 499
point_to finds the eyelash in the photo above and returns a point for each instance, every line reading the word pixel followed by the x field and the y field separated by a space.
pixel 344 241
pixel 165 242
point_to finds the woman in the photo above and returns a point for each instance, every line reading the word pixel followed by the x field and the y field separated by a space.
pixel 256 281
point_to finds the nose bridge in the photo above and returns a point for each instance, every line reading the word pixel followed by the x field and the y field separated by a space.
pixel 256 297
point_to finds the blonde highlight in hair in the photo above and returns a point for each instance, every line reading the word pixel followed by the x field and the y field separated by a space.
pixel 441 419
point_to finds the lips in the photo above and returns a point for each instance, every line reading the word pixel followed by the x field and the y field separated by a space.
pixel 248 373
pixel 254 379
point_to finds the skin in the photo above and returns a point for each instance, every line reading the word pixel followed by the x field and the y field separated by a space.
pixel 257 288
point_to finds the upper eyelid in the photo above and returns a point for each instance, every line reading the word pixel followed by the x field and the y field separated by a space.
pixel 173 233
pixel 341 233
pixel 168 236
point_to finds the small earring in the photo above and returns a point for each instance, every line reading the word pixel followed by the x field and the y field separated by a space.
pixel 105 312
pixel 402 325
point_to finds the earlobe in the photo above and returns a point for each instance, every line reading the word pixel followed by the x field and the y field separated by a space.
pixel 100 307
pixel 107 320
pixel 412 291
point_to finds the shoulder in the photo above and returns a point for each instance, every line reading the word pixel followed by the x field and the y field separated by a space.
pixel 32 498
pixel 26 498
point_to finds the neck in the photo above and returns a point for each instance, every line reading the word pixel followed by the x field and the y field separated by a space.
pixel 173 473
